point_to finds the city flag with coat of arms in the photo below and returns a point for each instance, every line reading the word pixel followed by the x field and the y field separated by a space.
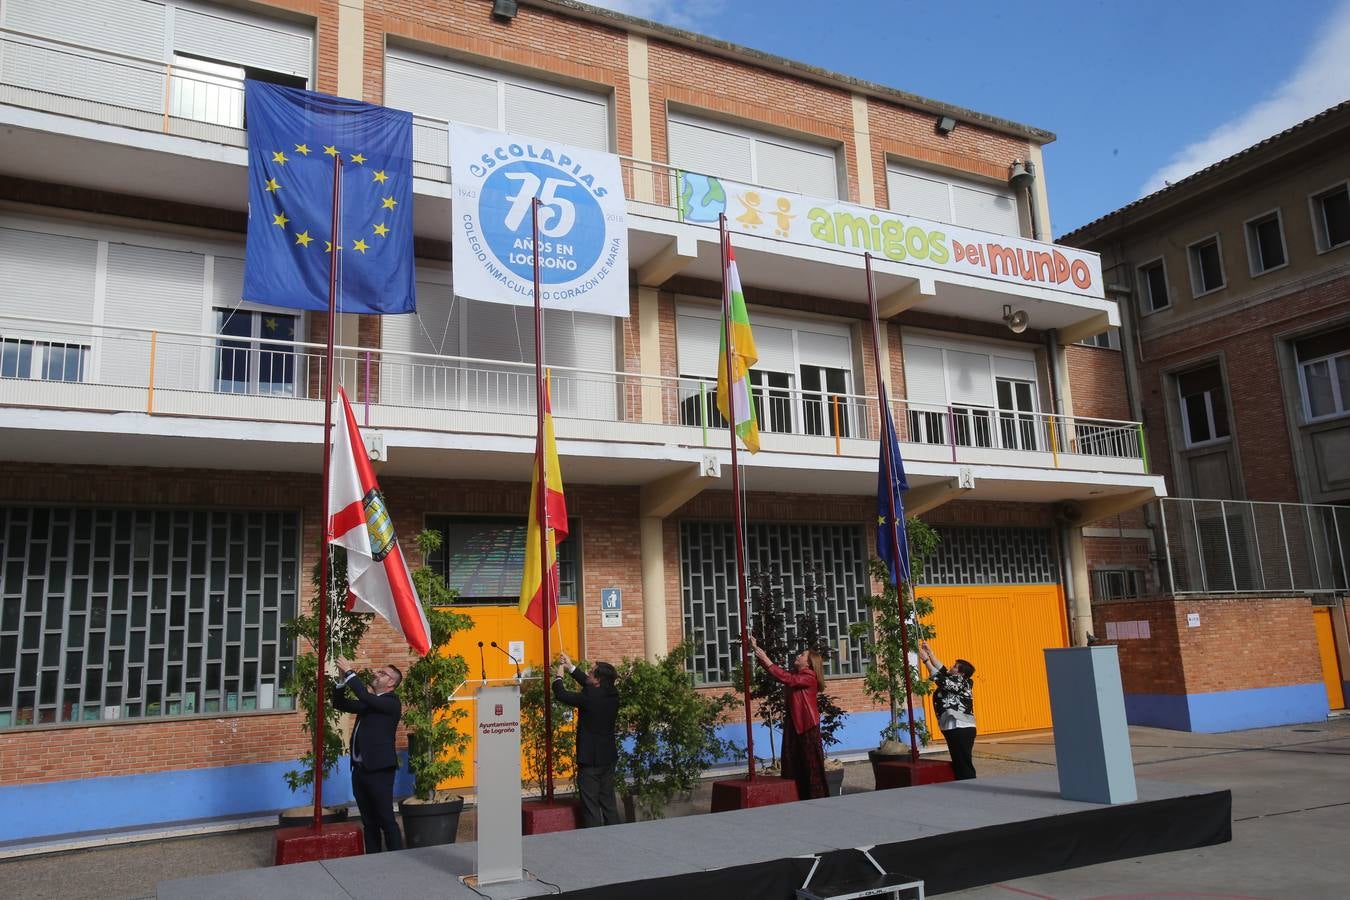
pixel 377 574
pixel 293 137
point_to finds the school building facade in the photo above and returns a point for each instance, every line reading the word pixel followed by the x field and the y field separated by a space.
pixel 160 439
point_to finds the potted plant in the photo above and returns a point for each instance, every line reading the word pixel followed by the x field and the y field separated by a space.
pixel 884 677
pixel 345 631
pixel 435 742
pixel 769 621
pixel 667 731
pixel 532 732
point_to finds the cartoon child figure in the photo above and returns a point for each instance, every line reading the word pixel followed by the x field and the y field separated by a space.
pixel 750 200
pixel 783 217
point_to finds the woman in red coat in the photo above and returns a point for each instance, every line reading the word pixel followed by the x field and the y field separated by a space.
pixel 803 753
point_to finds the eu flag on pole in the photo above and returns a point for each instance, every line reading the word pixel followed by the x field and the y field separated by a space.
pixel 293 136
pixel 891 531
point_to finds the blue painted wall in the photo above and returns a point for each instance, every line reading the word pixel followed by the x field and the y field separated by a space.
pixel 857 732
pixel 1229 710
pixel 162 798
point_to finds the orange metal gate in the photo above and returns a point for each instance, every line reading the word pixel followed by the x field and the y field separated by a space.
pixel 1331 665
pixel 1002 630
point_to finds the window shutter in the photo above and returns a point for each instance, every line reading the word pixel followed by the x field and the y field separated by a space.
pixel 148 287
pixel 809 172
pixel 133 27
pixel 426 86
pixel 986 210
pixel 919 196
pixel 924 378
pixel 235 37
pixel 1010 367
pixel 554 116
pixel 49 274
pixel 969 378
pixel 832 350
pixel 227 284
pixel 696 345
pixel 707 150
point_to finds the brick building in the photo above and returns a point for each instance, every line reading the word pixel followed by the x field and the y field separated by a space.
pixel 160 438
pixel 1235 339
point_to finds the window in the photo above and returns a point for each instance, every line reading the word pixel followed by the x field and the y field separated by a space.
pixel 990 393
pixel 742 153
pixel 1204 411
pixel 484 559
pixel 1331 217
pixel 207 91
pixel 1206 266
pixel 1265 243
pixel 825 400
pixel 42 360
pixel 1324 373
pixel 1116 584
pixel 1107 340
pixel 1153 287
pixel 1017 414
pixel 949 198
pixel 141 613
pixel 255 352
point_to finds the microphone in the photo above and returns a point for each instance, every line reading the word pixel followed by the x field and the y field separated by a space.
pixel 482 663
pixel 510 657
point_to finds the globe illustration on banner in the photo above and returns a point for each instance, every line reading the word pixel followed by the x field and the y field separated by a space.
pixel 702 197
pixel 571 223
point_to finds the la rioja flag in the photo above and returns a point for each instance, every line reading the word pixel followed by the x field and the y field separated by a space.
pixel 377 576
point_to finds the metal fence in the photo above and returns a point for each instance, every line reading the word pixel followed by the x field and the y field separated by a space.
pixel 1238 546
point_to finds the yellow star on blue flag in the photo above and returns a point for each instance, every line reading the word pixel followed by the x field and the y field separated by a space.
pixel 283 124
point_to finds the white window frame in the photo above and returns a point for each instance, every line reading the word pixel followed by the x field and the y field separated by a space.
pixel 1192 261
pixel 1111 340
pixel 953 180
pixel 1145 287
pixel 1209 410
pixel 705 119
pixel 40 344
pixel 299 355
pixel 976 417
pixel 1254 259
pixel 1319 221
pixel 1342 403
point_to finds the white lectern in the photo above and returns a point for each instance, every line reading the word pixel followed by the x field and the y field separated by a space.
pixel 497 725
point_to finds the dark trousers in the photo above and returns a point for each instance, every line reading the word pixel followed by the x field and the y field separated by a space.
pixel 961 746
pixel 375 798
pixel 596 785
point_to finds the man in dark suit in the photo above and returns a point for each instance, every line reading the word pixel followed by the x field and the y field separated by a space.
pixel 374 761
pixel 598 705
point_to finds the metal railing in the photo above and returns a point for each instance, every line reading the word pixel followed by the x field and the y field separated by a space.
pixel 210 365
pixel 1240 546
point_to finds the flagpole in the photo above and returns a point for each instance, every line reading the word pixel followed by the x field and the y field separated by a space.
pixel 737 524
pixel 901 589
pixel 546 580
pixel 325 576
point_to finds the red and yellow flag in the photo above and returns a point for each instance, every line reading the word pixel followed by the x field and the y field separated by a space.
pixel 531 584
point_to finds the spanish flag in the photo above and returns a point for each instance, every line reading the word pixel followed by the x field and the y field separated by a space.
pixel 735 401
pixel 532 599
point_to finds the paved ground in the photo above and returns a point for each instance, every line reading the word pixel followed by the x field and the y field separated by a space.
pixel 1291 799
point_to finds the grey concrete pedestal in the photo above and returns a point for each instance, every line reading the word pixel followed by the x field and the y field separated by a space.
pixel 1092 739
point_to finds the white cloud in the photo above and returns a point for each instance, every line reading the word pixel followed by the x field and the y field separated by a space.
pixel 689 14
pixel 1321 81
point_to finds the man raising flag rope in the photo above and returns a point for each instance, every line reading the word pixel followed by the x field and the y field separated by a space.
pixel 377 575
pixel 735 395
pixel 532 593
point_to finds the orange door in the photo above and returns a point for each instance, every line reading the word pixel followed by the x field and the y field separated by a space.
pixel 1331 665
pixel 502 624
pixel 1002 630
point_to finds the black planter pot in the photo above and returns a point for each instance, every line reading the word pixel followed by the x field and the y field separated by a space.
pixel 431 824
pixel 304 815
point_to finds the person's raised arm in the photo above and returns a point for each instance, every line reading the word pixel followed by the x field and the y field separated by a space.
pixel 926 654
pixel 560 691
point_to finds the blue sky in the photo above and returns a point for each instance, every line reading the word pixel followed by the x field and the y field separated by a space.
pixel 1138 91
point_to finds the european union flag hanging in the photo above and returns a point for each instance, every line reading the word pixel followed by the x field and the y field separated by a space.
pixel 293 136
pixel 891 531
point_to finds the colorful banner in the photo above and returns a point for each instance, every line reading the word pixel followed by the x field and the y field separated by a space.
pixel 888 235
pixel 583 230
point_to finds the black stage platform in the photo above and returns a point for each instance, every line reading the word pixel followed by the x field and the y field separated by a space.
pixel 952 836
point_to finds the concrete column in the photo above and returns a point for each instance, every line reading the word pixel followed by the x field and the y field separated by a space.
pixel 351 48
pixel 651 545
pixel 649 353
pixel 1080 615
pixel 862 142
pixel 640 111
pixel 1037 158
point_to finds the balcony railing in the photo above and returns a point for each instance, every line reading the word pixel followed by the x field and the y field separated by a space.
pixel 149 366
